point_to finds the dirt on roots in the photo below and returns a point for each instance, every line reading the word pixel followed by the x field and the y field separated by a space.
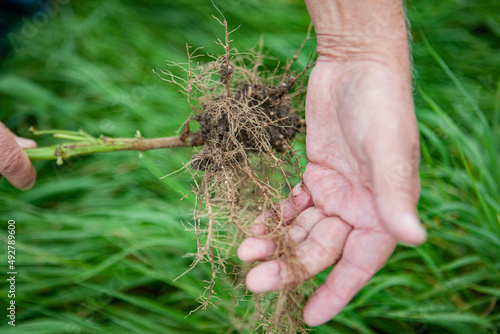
pixel 255 118
pixel 248 118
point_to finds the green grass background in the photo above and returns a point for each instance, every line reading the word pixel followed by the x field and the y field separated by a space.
pixel 101 239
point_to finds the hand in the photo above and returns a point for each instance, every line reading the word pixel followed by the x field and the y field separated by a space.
pixel 361 185
pixel 15 165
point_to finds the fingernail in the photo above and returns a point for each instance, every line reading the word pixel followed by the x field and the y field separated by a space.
pixel 297 190
pixel 25 143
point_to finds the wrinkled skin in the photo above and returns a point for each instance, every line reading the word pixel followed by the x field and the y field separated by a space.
pixel 361 185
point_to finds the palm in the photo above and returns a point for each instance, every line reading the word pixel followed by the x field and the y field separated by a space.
pixel 344 205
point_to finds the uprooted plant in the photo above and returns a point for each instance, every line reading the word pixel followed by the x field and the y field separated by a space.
pixel 247 120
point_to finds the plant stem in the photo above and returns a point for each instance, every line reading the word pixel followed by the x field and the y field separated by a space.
pixel 107 144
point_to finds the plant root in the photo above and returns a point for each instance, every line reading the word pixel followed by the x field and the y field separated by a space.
pixel 248 119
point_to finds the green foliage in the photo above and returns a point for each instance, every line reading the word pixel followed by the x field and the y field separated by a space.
pixel 101 239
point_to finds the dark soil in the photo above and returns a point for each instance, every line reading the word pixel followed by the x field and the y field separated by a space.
pixel 264 117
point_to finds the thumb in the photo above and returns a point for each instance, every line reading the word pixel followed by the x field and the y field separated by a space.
pixel 381 128
pixel 394 164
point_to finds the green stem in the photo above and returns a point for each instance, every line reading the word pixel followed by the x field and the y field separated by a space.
pixel 107 144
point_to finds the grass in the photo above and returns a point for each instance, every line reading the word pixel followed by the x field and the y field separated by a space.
pixel 101 239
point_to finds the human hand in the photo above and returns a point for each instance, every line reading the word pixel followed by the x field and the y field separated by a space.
pixel 15 165
pixel 361 185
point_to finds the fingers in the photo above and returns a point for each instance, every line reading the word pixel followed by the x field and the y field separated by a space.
pixel 267 276
pixel 320 250
pixel 256 249
pixel 297 201
pixel 253 249
pixel 323 246
pixel 365 252
pixel 304 224
pixel 15 165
